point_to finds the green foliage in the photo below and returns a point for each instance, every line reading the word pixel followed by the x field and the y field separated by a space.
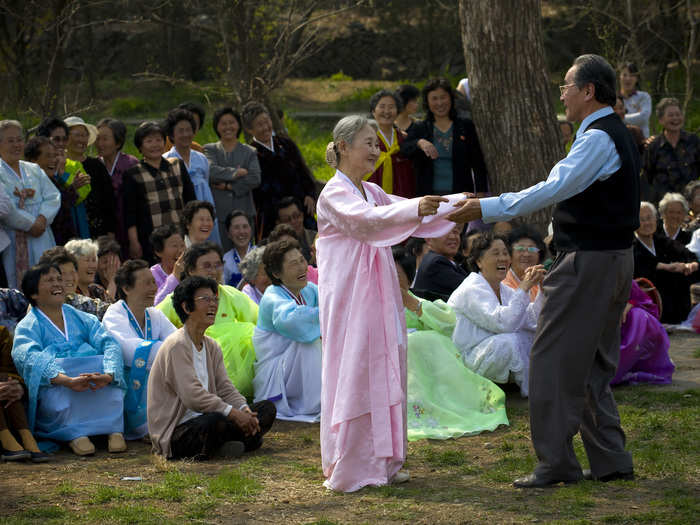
pixel 312 137
pixel 129 106
pixel 174 487
pixel 340 77
pixel 444 458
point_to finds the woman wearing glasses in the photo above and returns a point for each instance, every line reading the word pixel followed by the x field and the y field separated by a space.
pixel 236 315
pixel 526 249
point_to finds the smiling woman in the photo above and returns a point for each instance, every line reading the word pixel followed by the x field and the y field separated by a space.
pixel 496 324
pixel 394 171
pixel 288 337
pixel 140 330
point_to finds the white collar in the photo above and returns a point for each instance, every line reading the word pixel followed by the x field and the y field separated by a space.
pixel 270 146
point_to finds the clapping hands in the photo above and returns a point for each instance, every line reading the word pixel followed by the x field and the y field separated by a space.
pixel 532 277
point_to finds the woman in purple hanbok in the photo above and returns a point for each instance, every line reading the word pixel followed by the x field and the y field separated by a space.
pixel 644 345
pixel 363 329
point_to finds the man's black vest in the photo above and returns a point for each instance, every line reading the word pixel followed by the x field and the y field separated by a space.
pixel 605 215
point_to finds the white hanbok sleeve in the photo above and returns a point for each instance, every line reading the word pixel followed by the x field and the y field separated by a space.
pixel 50 196
pixel 475 300
pixel 533 311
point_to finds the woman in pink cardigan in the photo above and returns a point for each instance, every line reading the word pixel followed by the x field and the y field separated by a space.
pixel 194 411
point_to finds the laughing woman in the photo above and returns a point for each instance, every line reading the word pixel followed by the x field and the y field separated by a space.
pixel 287 337
pixel 496 324
pixel 197 222
pixel 58 346
pixel 140 329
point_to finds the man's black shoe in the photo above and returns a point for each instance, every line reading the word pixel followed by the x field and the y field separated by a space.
pixel 533 481
pixel 613 476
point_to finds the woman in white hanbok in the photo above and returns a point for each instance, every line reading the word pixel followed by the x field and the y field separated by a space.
pixel 287 337
pixel 495 323
pixel 140 329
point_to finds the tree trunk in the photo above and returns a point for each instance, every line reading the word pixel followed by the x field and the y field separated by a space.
pixel 511 103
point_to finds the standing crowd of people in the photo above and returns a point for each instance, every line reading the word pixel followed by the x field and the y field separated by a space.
pixel 200 292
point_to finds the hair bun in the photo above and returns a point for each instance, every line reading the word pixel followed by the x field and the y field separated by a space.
pixel 331 155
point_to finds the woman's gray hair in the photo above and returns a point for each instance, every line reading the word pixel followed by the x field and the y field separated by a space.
pixel 673 197
pixel 82 247
pixel 345 131
pixel 7 124
pixel 647 204
pixel 250 264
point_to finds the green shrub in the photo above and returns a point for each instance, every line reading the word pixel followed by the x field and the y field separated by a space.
pixel 129 106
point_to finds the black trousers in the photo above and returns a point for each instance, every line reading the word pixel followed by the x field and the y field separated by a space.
pixel 202 436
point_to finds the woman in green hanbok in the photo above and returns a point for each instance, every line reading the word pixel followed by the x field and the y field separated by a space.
pixel 445 399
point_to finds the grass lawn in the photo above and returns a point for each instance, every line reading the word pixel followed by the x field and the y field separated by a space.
pixel 467 480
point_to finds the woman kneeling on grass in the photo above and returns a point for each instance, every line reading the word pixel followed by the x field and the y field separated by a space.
pixel 194 411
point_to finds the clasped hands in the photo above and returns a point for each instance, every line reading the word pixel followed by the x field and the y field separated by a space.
pixel 466 211
pixel 246 420
pixel 85 381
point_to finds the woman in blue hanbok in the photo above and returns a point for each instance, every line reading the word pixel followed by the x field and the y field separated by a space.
pixel 287 337
pixel 140 329
pixel 72 367
pixel 34 202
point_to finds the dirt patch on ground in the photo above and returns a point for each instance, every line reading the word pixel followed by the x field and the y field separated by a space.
pixel 456 481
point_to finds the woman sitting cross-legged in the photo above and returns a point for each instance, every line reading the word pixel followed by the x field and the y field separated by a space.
pixel 140 329
pixel 496 324
pixel 287 338
pixel 236 315
pixel 57 346
pixel 194 411
pixel 445 398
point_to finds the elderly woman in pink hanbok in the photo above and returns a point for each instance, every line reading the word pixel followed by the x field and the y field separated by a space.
pixel 363 330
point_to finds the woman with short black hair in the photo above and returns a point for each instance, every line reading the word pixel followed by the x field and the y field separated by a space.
pixel 287 337
pixel 234 171
pixel 444 147
pixel 194 410
pixel 140 330
pixel 155 190
pixel 181 127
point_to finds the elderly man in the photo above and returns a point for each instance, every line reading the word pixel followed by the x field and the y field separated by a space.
pixel 438 275
pixel 577 343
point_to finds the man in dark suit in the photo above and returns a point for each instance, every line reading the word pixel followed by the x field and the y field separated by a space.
pixel 438 275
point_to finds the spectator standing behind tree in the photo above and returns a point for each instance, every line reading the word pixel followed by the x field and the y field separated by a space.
pixel 155 190
pixel 409 96
pixel 75 182
pixel 34 202
pixel 181 127
pixel 111 135
pixel 234 171
pixel 637 102
pixel 393 171
pixel 445 149
pixel 282 167
pixel 41 151
pixel 672 159
pixel 100 203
